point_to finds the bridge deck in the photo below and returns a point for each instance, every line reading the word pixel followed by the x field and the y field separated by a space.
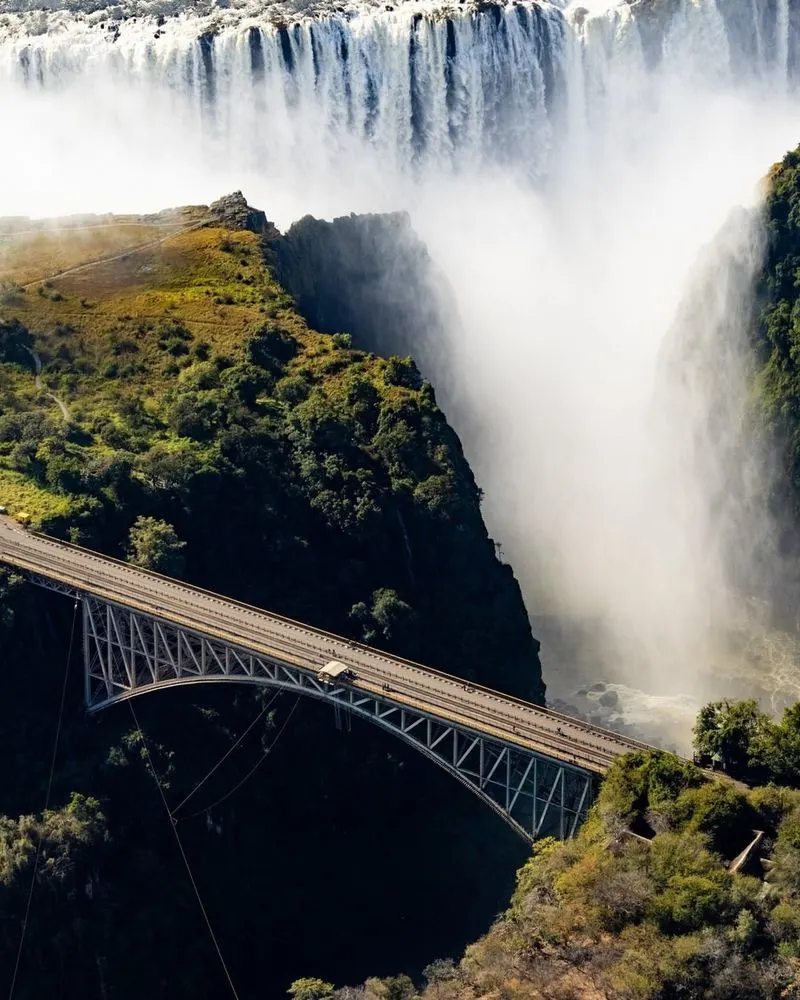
pixel 413 685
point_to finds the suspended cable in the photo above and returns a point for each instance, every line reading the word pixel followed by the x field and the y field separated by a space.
pixel 172 823
pixel 252 770
pixel 46 805
pixel 222 760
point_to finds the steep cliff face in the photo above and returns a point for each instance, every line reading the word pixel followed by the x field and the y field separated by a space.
pixel 779 323
pixel 776 387
pixel 372 276
pixel 369 275
pixel 300 474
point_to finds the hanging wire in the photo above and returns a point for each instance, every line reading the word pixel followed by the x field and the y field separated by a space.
pixel 46 806
pixel 222 760
pixel 250 773
pixel 173 824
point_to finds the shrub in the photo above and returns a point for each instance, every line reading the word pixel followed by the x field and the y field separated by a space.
pixel 725 731
pixel 271 348
pixel 403 372
pixel 690 902
pixel 310 989
pixel 722 812
pixel 155 545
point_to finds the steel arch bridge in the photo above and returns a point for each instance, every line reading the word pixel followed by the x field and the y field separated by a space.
pixel 143 632
pixel 127 654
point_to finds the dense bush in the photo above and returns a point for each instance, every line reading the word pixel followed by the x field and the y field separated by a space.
pixel 739 738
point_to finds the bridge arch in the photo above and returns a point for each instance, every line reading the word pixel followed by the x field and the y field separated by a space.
pixel 128 653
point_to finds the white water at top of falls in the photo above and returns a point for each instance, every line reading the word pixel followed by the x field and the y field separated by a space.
pixel 564 167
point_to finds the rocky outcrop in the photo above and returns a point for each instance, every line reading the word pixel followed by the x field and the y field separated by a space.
pixel 233 212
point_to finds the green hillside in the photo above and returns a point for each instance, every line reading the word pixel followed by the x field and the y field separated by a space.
pixel 195 393
pixel 187 417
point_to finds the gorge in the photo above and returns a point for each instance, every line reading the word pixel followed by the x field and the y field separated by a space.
pixel 560 211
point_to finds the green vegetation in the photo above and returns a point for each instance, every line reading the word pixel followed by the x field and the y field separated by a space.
pixel 213 435
pixel 154 545
pixel 748 744
pixel 643 904
pixel 331 462
pixel 311 989
pixel 779 329
pixel 777 376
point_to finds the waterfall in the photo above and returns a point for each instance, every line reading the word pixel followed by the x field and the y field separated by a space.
pixel 782 41
pixel 421 89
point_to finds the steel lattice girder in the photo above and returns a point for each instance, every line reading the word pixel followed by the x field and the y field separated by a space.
pixel 127 652
pixel 56 585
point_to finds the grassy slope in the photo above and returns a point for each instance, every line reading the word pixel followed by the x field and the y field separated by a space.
pixel 101 332
pixel 83 323
pixel 105 335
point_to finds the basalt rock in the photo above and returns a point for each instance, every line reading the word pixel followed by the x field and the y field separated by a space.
pixel 233 212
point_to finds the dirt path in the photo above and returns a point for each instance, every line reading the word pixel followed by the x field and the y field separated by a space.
pixel 37 361
pixel 47 230
pixel 111 258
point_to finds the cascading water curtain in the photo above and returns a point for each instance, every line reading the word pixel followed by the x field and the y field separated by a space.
pixel 412 88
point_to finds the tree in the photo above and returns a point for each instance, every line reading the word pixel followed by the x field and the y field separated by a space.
pixel 166 467
pixel 14 341
pixel 310 989
pixel 390 621
pixel 155 545
pixel 441 970
pixel 777 748
pixel 399 988
pixel 271 348
pixel 391 988
pixel 402 371
pixel 729 731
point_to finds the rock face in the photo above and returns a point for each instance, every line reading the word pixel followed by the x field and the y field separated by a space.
pixel 371 276
pixel 776 381
pixel 233 212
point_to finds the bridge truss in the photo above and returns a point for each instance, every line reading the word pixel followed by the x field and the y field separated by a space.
pixel 127 653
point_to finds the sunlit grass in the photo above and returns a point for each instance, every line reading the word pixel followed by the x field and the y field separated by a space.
pixel 19 494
